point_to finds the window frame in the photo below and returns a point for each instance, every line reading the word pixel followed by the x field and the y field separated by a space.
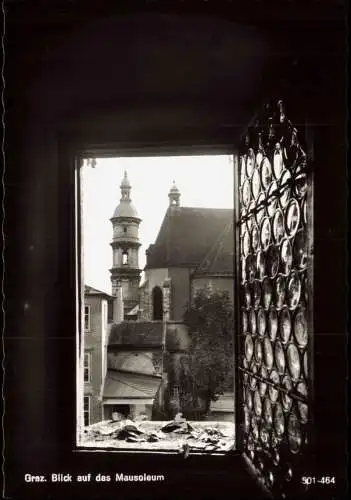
pixel 125 258
pixel 87 398
pixel 87 355
pixel 80 154
pixel 88 328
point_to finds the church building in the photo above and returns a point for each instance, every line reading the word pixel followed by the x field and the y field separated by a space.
pixel 194 248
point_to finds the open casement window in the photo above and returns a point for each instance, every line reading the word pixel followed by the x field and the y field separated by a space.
pixel 274 235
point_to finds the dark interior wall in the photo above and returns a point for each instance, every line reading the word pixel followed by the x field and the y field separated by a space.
pixel 134 80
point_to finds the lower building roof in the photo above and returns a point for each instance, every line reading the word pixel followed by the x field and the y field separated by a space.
pixel 130 385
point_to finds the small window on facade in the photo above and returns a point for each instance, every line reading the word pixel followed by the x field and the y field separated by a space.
pixel 110 311
pixel 86 410
pixel 124 229
pixel 87 318
pixel 125 258
pixel 87 367
pixel 157 303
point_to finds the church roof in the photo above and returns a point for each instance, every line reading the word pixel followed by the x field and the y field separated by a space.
pixel 186 236
pixel 220 258
pixel 136 333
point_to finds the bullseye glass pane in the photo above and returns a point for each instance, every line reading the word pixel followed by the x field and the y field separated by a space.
pixel 300 249
pixel 278 163
pixel 257 293
pixel 249 347
pixel 267 293
pixel 266 233
pixel 285 188
pixel 262 384
pixel 278 226
pixel 258 351
pixel 261 265
pixel 255 238
pixel 293 290
pixel 286 399
pixel 272 199
pixel 294 433
pixel 273 391
pixel 279 357
pixel 278 420
pixel 302 407
pixel 250 162
pixel 260 208
pixel 247 294
pixel 294 361
pixel 257 404
pixel 268 353
pixel 280 291
pixel 286 256
pixel 267 412
pixel 272 261
pixel 261 321
pixel 300 327
pixel 244 321
pixel 292 219
pixel 252 322
pixel 266 173
pixel 255 184
pixel 284 324
pixel 272 323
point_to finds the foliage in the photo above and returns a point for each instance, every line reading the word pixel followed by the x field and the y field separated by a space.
pixel 209 367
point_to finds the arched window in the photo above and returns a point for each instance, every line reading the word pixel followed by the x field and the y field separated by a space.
pixel 125 257
pixel 157 304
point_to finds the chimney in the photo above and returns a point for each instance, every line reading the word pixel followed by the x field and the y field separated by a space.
pixel 118 307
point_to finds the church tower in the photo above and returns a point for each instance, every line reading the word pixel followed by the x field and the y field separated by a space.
pixel 125 272
pixel 174 196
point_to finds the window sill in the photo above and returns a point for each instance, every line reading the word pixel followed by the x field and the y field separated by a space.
pixel 193 443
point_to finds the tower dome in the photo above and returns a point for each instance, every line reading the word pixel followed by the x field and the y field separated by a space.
pixel 125 207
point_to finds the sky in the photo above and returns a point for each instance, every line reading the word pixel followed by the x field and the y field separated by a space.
pixel 203 181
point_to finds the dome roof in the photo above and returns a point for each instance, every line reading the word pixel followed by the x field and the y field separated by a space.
pixel 125 182
pixel 125 209
pixel 174 189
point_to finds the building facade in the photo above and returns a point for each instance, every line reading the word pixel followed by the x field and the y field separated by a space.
pixel 97 321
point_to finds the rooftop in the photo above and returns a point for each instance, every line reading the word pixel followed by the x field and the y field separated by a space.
pixel 186 236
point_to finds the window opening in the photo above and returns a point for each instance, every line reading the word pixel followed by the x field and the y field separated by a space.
pixel 87 318
pixel 176 249
pixel 157 304
pixel 86 411
pixel 87 366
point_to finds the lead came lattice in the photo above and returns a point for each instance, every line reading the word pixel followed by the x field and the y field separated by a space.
pixel 274 296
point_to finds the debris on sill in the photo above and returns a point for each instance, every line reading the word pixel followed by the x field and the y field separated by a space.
pixel 178 434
